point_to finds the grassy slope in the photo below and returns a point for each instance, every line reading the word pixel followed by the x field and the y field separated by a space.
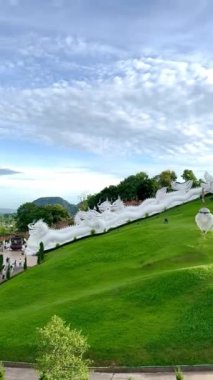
pixel 142 294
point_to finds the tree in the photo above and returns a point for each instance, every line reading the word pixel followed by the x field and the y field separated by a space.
pixel 8 272
pixel 166 177
pixel 41 250
pixel 61 352
pixel 1 261
pixel 2 372
pixel 127 189
pixel 30 212
pixel 110 192
pixel 179 374
pixel 147 189
pixel 26 213
pixel 189 175
pixel 25 263
pixel 93 200
pixel 83 202
pixel 54 213
pixel 40 253
pixel 39 258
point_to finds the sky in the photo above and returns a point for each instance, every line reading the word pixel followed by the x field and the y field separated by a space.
pixel 92 91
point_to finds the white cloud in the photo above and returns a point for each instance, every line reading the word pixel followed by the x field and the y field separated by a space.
pixel 148 106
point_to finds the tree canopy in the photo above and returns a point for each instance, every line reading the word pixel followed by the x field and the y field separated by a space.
pixel 135 187
pixel 30 212
pixel 165 178
pixel 189 175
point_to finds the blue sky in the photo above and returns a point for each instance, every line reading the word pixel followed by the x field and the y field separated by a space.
pixel 94 90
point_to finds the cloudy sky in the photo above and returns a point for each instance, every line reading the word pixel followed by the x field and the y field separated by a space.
pixel 94 90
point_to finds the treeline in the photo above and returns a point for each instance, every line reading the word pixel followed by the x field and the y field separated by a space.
pixel 30 212
pixel 138 187
pixel 7 224
pixel 135 187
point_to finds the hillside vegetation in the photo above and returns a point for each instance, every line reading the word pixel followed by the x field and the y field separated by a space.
pixel 141 293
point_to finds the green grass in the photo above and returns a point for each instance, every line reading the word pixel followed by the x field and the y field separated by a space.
pixel 143 294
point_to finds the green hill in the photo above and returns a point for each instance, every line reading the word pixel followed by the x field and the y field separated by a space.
pixel 141 293
pixel 72 209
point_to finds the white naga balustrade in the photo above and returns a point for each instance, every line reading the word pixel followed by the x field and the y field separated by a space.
pixel 114 214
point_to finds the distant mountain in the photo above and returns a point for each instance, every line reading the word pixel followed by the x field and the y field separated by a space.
pixel 72 209
pixel 7 211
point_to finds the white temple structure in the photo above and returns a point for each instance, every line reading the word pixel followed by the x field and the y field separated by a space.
pixel 114 214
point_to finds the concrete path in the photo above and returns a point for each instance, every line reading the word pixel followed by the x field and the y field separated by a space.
pixel 30 374
pixel 19 257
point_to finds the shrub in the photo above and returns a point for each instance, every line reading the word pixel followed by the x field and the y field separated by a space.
pixel 92 232
pixel 57 245
pixel 2 372
pixel 1 262
pixel 61 352
pixel 41 250
pixel 43 377
pixel 25 263
pixel 40 253
pixel 8 273
pixel 39 258
pixel 179 374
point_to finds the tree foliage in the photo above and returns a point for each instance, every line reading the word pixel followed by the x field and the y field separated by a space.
pixel 165 178
pixel 1 261
pixel 25 263
pixel 2 372
pixel 189 175
pixel 128 188
pixel 8 273
pixel 179 374
pixel 7 224
pixel 134 187
pixel 40 253
pixel 30 212
pixel 61 352
pixel 147 189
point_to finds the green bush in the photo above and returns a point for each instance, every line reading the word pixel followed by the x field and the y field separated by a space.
pixel 92 232
pixel 179 374
pixel 40 253
pixel 61 351
pixel 2 372
pixel 43 377
pixel 41 250
pixel 25 263
pixel 39 258
pixel 8 273
pixel 1 262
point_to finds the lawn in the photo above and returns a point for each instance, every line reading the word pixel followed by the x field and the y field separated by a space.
pixel 142 294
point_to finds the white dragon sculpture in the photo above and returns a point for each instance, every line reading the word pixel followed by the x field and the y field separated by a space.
pixel 114 214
